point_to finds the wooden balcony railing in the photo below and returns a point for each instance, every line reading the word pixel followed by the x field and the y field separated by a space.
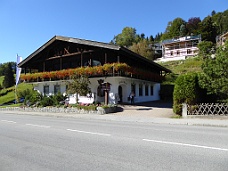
pixel 113 69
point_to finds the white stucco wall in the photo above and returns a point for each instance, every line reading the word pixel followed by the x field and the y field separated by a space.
pixel 124 82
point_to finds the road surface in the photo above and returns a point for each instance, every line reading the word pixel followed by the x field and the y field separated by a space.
pixel 51 143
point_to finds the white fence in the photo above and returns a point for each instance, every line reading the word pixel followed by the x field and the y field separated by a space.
pixel 207 109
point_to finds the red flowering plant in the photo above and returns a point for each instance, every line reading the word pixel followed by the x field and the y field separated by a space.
pixel 25 77
pixel 122 68
pixel 60 75
pixel 70 73
pixel 46 76
pixel 90 71
pixel 98 70
pixel 108 68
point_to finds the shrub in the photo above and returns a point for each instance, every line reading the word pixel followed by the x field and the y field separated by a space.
pixel 46 101
pixel 30 96
pixel 186 90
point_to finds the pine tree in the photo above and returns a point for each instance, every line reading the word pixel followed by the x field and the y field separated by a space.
pixel 9 77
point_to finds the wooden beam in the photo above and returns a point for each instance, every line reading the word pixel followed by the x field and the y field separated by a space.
pixel 66 50
pixel 67 55
pixel 105 57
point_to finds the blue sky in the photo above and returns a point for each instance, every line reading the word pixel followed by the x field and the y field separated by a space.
pixel 28 24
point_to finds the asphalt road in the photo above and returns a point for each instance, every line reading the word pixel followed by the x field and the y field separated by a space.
pixel 51 143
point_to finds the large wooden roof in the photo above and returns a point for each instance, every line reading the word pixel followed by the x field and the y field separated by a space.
pixel 46 52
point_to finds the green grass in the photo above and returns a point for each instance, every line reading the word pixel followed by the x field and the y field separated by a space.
pixel 184 66
pixel 181 67
pixel 10 96
pixel 12 105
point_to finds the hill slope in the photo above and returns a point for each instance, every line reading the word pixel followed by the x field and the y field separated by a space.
pixel 184 66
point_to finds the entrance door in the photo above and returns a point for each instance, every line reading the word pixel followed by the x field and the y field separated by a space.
pixel 120 93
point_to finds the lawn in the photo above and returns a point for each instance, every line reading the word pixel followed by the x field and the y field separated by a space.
pixel 184 66
pixel 10 96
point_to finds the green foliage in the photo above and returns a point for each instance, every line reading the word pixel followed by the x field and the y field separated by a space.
pixel 9 77
pixel 89 107
pixel 220 21
pixel 79 86
pixel 1 79
pixel 183 66
pixel 142 49
pixel 173 29
pixel 10 96
pixel 186 90
pixel 54 100
pixel 5 65
pixel 170 79
pixel 5 91
pixel 208 30
pixel 158 37
pixel 126 38
pixel 31 96
pixel 193 26
pixel 215 73
pixel 205 49
pixel 46 101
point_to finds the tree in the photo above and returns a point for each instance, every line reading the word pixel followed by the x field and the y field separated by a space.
pixel 186 90
pixel 173 29
pixel 220 21
pixel 213 13
pixel 126 38
pixel 79 86
pixel 208 30
pixel 215 73
pixel 4 66
pixel 151 39
pixel 183 30
pixel 205 49
pixel 9 80
pixel 158 37
pixel 142 48
pixel 193 25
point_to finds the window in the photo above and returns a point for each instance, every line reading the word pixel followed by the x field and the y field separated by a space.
pixel 189 51
pixel 46 90
pixel 56 89
pixel 151 90
pixel 140 89
pixel 146 90
pixel 171 53
pixel 178 52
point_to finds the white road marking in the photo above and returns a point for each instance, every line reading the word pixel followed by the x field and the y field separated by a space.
pixel 188 145
pixel 93 133
pixel 41 126
pixel 8 121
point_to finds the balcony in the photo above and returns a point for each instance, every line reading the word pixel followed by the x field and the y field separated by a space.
pixel 107 70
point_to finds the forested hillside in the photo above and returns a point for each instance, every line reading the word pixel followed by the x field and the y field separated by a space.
pixel 210 27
